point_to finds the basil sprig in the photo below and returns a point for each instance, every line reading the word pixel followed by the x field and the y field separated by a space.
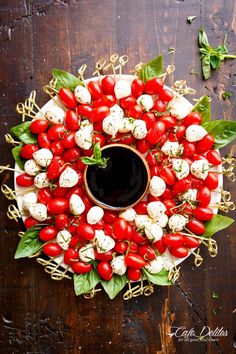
pixel 83 283
pixel 97 158
pixel 65 79
pixel 115 285
pixel 17 157
pixel 203 107
pixel 217 223
pixel 211 58
pixel 29 243
pixel 151 69
pixel 23 133
pixel 160 278
pixel 224 132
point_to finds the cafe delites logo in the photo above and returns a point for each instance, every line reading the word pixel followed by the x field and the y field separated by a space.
pixel 182 334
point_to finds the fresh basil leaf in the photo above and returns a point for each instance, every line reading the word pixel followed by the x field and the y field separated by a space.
pixel 224 132
pixel 29 243
pixel 83 283
pixel 206 66
pixel 23 133
pixel 203 107
pixel 226 95
pixel 202 38
pixel 115 285
pixel 222 49
pixel 160 278
pixel 151 69
pixel 97 151
pixel 215 61
pixel 190 19
pixel 88 160
pixel 65 79
pixel 17 157
pixel 217 223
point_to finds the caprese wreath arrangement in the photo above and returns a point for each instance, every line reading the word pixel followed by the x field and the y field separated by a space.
pixel 118 178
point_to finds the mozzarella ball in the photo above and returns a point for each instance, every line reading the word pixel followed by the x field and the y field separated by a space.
pixel 172 148
pixel 68 178
pixel 145 101
pixel 55 115
pixel 190 195
pixel 31 167
pixel 43 157
pixel 41 180
pixel 177 222
pixel 118 265
pixel 122 89
pixel 128 214
pixel 139 129
pixel 95 214
pixel 86 124
pixel 103 242
pixel 157 186
pixel 76 205
pixel 117 112
pixel 180 168
pixel 141 221
pixel 29 199
pixel 153 232
pixel 86 253
pixel 126 125
pixel 110 125
pixel 84 138
pixel 195 133
pixel 180 107
pixel 82 95
pixel 200 168
pixel 156 209
pixel 162 221
pixel 155 266
pixel 63 239
pixel 38 211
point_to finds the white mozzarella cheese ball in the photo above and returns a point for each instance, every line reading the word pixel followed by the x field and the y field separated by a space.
pixel 179 107
pixel 162 221
pixel 155 266
pixel 118 265
pixel 117 112
pixel 110 125
pixel 190 195
pixel 128 215
pixel 95 214
pixel 103 242
pixel 177 222
pixel 139 129
pixel 68 178
pixel 122 89
pixel 126 125
pixel 195 133
pixel 38 211
pixel 41 180
pixel 86 253
pixel 82 95
pixel 146 101
pixel 141 221
pixel 55 115
pixel 63 239
pixel 76 205
pixel 157 186
pixel 86 124
pixel 84 138
pixel 172 148
pixel 31 167
pixel 200 168
pixel 29 199
pixel 43 157
pixel 156 209
pixel 180 168
pixel 153 232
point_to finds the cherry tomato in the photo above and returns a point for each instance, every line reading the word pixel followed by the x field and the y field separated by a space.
pixel 181 186
pixel 84 110
pixel 70 256
pixel 57 148
pixel 180 132
pixel 214 157
pixel 203 213
pixel 160 245
pixel 152 158
pixel 191 242
pixel 44 195
pixel 127 102
pixel 120 229
pixel 167 194
pixel 189 148
pixel 155 133
pixel 147 252
pixel 105 270
pixel 56 132
pixel 166 95
pixel 44 141
pixel 134 274
pixel 38 126
pixel 129 232
pixel 173 240
pixel 154 86
pixel 67 98
pixel 54 169
pixel 95 89
pixel 81 267
pixel 195 182
pixel 169 204
pixel 134 260
pixel 99 113
pixel 196 226
pixel 48 233
pixel 110 217
pixel 179 252
pixel 168 175
pixel 105 100
pixel 80 166
pixel 57 206
pixel 107 256
pixel 192 118
pixel 61 221
pixel 108 229
pixel 197 157
pixel 205 144
pixel 211 181
pixel 121 247
pixel 203 196
pixel 28 150
pixel 52 249
pixel 72 120
pixel 108 85
pixel 99 138
pixel 169 121
pixel 135 111
pixel 87 202
pixel 139 237
pixel 71 155
pixel 86 231
pixel 24 180
pixel 137 87
pixel 149 118
pixel 142 145
pixel 30 222
pixel 141 207
pixel 59 192
pixel 126 139
pixel 159 106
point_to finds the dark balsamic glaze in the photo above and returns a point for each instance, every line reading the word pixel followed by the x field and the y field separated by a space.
pixel 122 182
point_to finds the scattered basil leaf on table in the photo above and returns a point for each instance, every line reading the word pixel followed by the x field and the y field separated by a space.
pixel 29 243
pixel 224 132
pixel 17 157
pixel 226 95
pixel 23 133
pixel 203 107
pixel 151 69
pixel 214 295
pixel 115 285
pixel 217 223
pixel 83 283
pixel 190 19
pixel 65 79
pixel 160 278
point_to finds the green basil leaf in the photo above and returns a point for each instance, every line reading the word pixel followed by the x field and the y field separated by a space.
pixel 29 243
pixel 203 107
pixel 17 157
pixel 217 223
pixel 88 160
pixel 222 49
pixel 224 132
pixel 202 38
pixel 215 61
pixel 97 151
pixel 160 278
pixel 206 66
pixel 114 286
pixel 65 79
pixel 83 283
pixel 151 69
pixel 226 95
pixel 23 133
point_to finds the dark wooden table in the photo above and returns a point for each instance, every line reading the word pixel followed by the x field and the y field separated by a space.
pixel 39 315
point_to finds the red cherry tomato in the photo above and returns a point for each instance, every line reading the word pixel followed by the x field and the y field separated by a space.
pixel 57 147
pixel 203 213
pixel 28 150
pixel 54 169
pixel 141 207
pixel 147 252
pixel 105 270
pixel 95 89
pixel 80 166
pixel 61 221
pixel 168 175
pixel 154 86
pixel 134 274
pixel 205 144
pixel 180 132
pixel 195 182
pixel 179 252
pixel 120 229
pixel 129 232
pixel 105 100
pixel 127 102
pixel 173 240
pixel 52 249
pixel 48 233
pixel 56 132
pixel 169 121
pixel 196 226
pixel 84 110
pixel 71 155
pixel 99 113
pixel 142 145
pixel 149 118
pixel 191 242
pixel 44 195
pixel 108 85
pixel 139 237
pixel 121 247
pixel 137 87
pixel 72 120
pixel 153 157
pixel 67 98
pixel 168 193
pixel 135 111
pixel 85 231
pixel 24 180
pixel 134 260
pixel 70 256
pixel 69 140
pixel 30 222
pixel 155 133
pixel 169 204
pixel 160 245
pixel 159 106
pixel 192 118
pixel 44 141
pixel 203 196
pixel 38 126
pixel 81 267
pixel 181 186
pixel 214 157
pixel 59 192
pixel 166 95
pixel 110 217
pixel 107 256
pixel 57 206
pixel 99 138
pixel 211 181
pixel 189 148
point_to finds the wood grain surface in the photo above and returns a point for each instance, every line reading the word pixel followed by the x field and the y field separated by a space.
pixel 39 315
